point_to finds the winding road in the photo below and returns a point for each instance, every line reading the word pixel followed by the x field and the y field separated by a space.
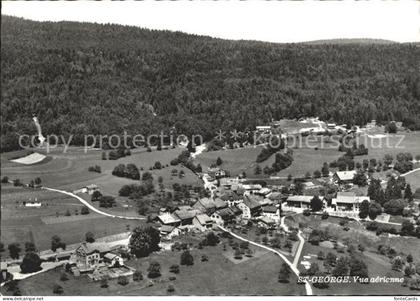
pixel 87 204
pixel 292 266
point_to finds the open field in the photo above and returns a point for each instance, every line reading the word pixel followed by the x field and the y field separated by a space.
pixel 70 170
pixel 414 180
pixel 22 224
pixel 235 161
pixel 217 276
pixel 392 144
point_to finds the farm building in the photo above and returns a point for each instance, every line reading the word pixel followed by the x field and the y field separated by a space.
pixel 344 176
pixel 168 232
pixel 186 216
pixel 113 260
pixel 169 219
pixel 301 201
pixel 202 222
pixel 348 201
pixel 88 255
pixel 250 208
pixel 271 212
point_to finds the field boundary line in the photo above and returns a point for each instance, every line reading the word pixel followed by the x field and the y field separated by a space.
pixel 93 208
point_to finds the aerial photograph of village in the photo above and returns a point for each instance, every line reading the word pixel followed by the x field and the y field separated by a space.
pixel 137 161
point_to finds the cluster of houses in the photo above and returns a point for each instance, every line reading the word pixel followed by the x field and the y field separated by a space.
pixel 208 213
pixel 99 261
pixel 237 202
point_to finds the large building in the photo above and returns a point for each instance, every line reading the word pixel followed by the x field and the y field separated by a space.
pixel 343 177
pixel 348 201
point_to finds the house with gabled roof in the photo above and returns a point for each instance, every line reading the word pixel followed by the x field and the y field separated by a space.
pixel 271 212
pixel 167 218
pixel 186 216
pixel 202 222
pixel 348 201
pixel 345 176
pixel 205 205
pixel 250 207
pixel 167 232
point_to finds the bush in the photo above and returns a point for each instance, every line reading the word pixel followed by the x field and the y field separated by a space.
pixel 122 280
pixel 174 269
pixel 325 215
pixel 306 212
pixel 171 289
pixel 64 276
pixel 57 289
pixel 137 276
pixel 84 210
pixel 187 258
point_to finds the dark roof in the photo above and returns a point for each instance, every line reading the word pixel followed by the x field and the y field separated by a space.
pixel 185 214
pixel 269 209
pixel 251 203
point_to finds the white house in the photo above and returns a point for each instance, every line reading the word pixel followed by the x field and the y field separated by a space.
pixel 202 222
pixel 271 212
pixel 169 219
pixel 35 204
pixel 348 201
pixel 345 176
pixel 113 260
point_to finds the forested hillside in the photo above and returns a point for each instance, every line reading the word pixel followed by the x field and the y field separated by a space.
pixel 81 78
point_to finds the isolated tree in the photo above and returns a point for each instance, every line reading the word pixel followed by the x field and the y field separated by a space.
pixel 284 273
pixel 96 196
pixel 31 263
pixel 211 239
pixel 321 255
pixel 14 250
pixel 257 170
pixel 1 247
pixel 174 269
pixel 364 209
pixel 84 210
pixel 153 269
pixel 104 156
pixel 5 179
pixel 317 174
pixel 237 254
pixel 143 241
pixel 187 258
pixel 409 258
pixel 137 275
pixel 316 204
pixel 58 289
pixel 132 172
pixel 408 194
pixel 219 161
pixel 89 237
pixel 57 243
pixel 325 170
pixel 30 247
pixel 38 181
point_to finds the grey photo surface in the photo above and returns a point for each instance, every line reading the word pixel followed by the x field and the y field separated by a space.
pixel 210 148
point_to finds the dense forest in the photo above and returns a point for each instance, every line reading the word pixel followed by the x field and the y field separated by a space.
pixel 83 78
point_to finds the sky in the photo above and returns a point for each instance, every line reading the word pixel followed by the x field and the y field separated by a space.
pixel 272 21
